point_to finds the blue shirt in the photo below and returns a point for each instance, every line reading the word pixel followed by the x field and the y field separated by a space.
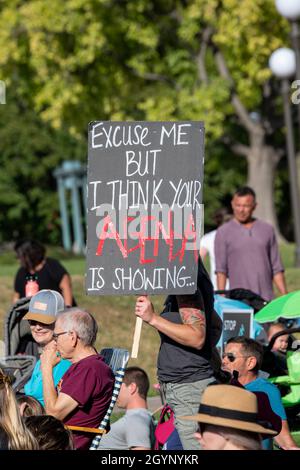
pixel 262 385
pixel 34 387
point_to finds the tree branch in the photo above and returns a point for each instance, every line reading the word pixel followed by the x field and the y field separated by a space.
pixel 155 77
pixel 200 58
pixel 237 104
pixel 240 149
pixel 236 147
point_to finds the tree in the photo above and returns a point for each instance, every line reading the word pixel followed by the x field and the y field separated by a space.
pixel 82 60
pixel 29 151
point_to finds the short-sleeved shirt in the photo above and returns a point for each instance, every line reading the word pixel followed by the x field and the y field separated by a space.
pixel 262 385
pixel 132 430
pixel 90 383
pixel 208 243
pixel 248 256
pixel 34 387
pixel 49 277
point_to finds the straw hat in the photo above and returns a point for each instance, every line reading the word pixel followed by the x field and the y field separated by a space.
pixel 230 406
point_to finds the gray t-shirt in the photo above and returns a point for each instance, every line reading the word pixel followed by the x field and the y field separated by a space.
pixel 132 430
pixel 248 256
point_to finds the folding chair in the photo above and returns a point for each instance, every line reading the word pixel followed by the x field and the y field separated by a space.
pixel 117 360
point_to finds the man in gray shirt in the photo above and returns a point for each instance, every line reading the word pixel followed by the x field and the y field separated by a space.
pixel 133 430
pixel 246 250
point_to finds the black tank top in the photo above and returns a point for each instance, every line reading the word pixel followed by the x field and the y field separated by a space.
pixel 182 364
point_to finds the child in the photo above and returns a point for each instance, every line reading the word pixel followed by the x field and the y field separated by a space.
pixel 281 343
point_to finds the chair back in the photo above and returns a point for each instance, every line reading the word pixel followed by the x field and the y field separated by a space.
pixel 117 360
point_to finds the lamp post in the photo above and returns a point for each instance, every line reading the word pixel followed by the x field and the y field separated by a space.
pixel 290 9
pixel 283 65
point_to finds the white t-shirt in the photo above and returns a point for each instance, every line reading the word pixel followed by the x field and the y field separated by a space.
pixel 208 243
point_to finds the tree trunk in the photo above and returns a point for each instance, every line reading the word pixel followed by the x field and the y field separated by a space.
pixel 262 162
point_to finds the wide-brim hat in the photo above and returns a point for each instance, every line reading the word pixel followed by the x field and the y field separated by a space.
pixel 230 406
pixel 44 306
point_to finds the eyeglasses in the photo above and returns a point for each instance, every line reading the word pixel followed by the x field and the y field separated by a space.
pixel 231 357
pixel 56 335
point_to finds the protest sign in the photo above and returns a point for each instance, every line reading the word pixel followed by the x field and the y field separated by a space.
pixel 236 323
pixel 144 207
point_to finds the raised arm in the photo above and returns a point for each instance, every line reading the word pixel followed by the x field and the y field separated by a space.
pixel 191 333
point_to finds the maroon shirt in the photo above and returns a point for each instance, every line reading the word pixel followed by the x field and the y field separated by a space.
pixel 248 256
pixel 90 382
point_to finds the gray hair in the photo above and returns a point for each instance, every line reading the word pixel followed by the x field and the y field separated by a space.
pixel 80 321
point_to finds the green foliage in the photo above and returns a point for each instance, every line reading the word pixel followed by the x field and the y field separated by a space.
pixel 29 151
pixel 68 63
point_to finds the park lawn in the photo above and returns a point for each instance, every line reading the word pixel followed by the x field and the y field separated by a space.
pixel 114 314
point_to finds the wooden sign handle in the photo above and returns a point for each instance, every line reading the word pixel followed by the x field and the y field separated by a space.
pixel 136 337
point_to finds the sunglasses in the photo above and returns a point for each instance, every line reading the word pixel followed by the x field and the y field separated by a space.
pixel 232 357
pixel 35 323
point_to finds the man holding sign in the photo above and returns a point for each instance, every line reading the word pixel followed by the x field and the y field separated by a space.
pixel 144 225
pixel 184 368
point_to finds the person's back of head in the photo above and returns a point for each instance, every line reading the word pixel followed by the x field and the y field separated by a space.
pixel 80 321
pixel 50 433
pixel 140 378
pixel 18 437
pixel 29 406
pixel 251 348
pixel 30 253
pixel 221 216
pixel 4 444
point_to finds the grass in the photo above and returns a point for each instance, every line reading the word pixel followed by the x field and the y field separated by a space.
pixel 114 314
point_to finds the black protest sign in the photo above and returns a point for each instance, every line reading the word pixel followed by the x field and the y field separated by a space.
pixel 144 207
pixel 236 323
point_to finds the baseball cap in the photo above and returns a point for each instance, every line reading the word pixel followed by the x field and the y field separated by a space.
pixel 44 306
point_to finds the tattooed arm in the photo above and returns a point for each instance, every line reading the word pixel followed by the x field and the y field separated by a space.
pixel 191 333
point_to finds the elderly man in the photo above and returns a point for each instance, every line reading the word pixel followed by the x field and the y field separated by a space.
pixel 85 391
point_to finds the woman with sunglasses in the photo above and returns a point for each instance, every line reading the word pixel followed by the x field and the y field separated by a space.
pixel 43 309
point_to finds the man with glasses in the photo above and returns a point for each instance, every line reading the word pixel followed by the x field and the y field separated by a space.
pixel 43 309
pixel 244 355
pixel 85 391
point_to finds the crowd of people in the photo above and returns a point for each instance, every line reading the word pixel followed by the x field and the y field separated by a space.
pixel 219 403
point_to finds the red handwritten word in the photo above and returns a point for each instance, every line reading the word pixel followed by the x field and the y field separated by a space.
pixel 109 232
